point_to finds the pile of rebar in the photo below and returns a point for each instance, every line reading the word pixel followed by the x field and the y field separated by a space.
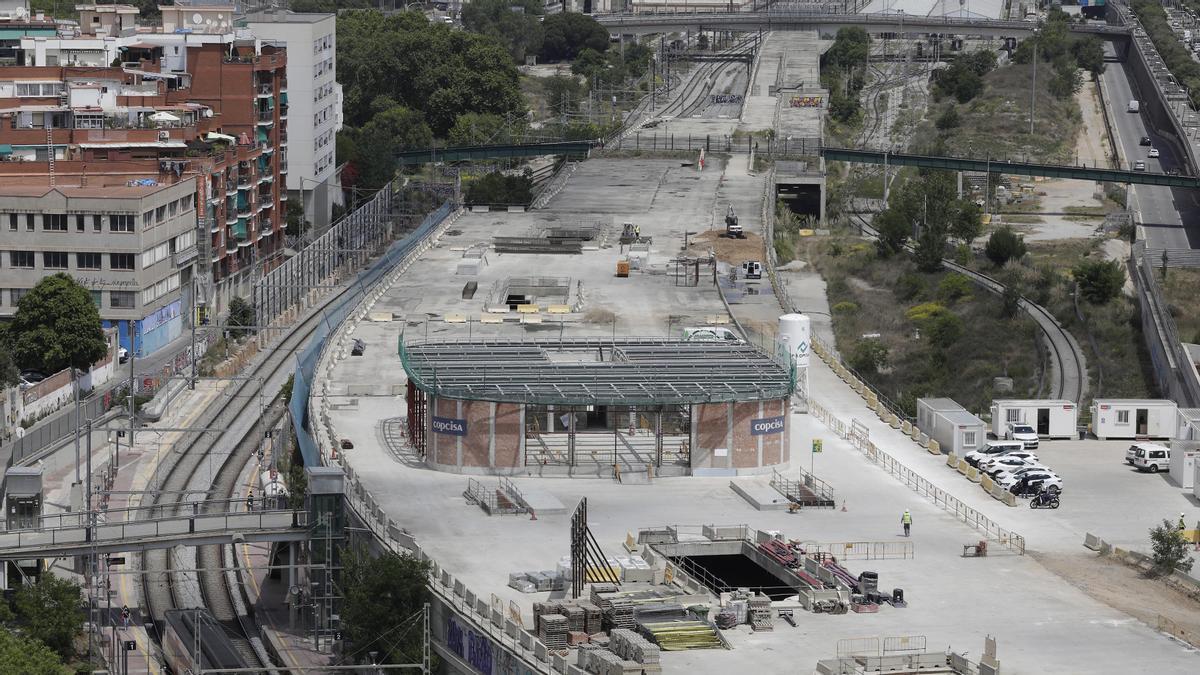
pixel 673 636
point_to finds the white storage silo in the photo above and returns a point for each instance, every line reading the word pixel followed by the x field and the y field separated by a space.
pixel 795 337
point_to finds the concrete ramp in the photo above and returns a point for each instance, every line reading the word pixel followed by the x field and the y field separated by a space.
pixel 541 502
pixel 758 494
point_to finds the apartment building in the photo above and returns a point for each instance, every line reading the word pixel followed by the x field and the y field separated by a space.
pixel 134 247
pixel 315 104
pixel 190 100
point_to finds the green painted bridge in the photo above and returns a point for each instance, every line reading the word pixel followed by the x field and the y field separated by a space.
pixel 1012 168
pixel 471 152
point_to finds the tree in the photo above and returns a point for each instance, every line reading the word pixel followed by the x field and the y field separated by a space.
pixel 295 217
pixel 57 326
pixel 514 22
pixel 8 370
pixel 930 248
pixel 479 129
pixel 1010 302
pixel 28 656
pixel 497 188
pixel 894 230
pixel 965 222
pixel 943 330
pixel 390 131
pixel 1169 550
pixel 867 356
pixel 381 594
pixel 1099 281
pixel 569 33
pixel 241 313
pixel 948 119
pixel 1089 54
pixel 1003 245
pixel 51 611
pixel 563 93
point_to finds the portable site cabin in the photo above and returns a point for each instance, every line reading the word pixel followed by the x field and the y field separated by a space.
pixel 947 422
pixel 1134 418
pixel 1050 418
pixel 1184 456
pixel 1189 424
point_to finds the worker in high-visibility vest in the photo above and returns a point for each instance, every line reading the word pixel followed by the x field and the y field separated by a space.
pixel 906 521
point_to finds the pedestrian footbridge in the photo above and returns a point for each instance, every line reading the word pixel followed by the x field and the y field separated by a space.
pixel 70 535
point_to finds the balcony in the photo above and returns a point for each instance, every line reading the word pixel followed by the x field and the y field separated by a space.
pixel 266 91
pixel 265 178
pixel 240 230
pixel 266 117
pixel 187 255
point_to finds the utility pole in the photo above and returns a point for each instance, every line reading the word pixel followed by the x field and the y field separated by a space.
pixel 132 363
pixel 192 379
pixel 1033 91
pixel 91 536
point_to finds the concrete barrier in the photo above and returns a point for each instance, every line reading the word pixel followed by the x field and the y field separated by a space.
pixel 973 474
pixel 935 447
pixel 906 428
pixel 951 460
pixel 986 483
pixel 895 422
pixel 1091 541
pixel 923 439
pixel 963 466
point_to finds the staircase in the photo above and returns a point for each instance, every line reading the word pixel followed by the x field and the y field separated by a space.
pixel 50 152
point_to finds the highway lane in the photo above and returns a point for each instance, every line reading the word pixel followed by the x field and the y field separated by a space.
pixel 1171 216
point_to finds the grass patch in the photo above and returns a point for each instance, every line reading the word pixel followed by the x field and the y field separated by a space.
pixel 1088 211
pixel 1182 290
pixel 885 291
pixel 996 123
pixel 1045 278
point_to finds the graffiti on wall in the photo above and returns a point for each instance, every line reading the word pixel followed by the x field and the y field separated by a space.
pixel 480 652
pixel 805 102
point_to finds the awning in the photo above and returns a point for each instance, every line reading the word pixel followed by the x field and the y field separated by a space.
pixel 5 149
pixel 132 144
pixel 214 136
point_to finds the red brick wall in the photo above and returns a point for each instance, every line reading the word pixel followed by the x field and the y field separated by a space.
pixel 712 425
pixel 508 435
pixel 445 447
pixel 772 444
pixel 745 446
pixel 475 444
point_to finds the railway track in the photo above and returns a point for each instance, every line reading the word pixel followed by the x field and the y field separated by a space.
pixel 237 417
pixel 1071 375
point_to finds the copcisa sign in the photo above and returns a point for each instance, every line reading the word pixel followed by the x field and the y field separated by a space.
pixel 766 425
pixel 449 426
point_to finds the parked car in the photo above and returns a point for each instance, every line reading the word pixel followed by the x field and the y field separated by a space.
pixel 31 377
pixel 1033 482
pixel 1153 153
pixel 1152 459
pixel 1007 465
pixel 1006 475
pixel 992 450
pixel 1018 431
pixel 1023 455
pixel 1139 165
pixel 1145 140
pixel 122 355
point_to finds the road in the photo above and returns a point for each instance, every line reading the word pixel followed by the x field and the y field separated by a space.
pixel 1163 210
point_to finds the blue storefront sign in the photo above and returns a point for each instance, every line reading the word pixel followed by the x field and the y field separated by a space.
pixel 766 425
pixel 449 426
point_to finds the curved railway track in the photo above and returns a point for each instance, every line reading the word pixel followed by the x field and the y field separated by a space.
pixel 237 418
pixel 1071 375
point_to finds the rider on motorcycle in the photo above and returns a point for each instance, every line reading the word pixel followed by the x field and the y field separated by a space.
pixel 1044 496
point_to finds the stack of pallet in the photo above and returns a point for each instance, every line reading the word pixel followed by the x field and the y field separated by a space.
pixel 591 618
pixel 760 613
pixel 617 612
pixel 575 617
pixel 604 662
pixel 633 647
pixel 553 631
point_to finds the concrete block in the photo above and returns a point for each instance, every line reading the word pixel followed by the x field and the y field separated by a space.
pixel 906 428
pixel 511 629
pixel 539 651
pixel 923 439
pixel 963 466
pixel 1091 541
pixel 934 447
pixel 526 639
pixel 951 460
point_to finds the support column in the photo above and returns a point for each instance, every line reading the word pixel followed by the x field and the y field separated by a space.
pixel 960 184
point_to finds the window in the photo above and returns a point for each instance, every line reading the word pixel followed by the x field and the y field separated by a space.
pixel 97 298
pixel 122 299
pixel 88 261
pixel 160 214
pixel 54 260
pixel 39 88
pixel 1122 417
pixel 54 222
pixel 20 259
pixel 12 222
pixel 120 261
pixel 1012 415
pixel 968 439
pixel 172 209
pixel 121 223
pixel 29 222
pixel 16 294
pixel 80 219
pixel 96 225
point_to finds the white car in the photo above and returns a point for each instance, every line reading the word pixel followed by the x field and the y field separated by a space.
pixel 993 450
pixel 1153 154
pixel 1032 482
pixel 1007 465
pixel 1024 433
pixel 1008 478
pixel 1024 456
pixel 1139 165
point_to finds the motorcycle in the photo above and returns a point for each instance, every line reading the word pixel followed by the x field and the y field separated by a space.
pixel 1044 500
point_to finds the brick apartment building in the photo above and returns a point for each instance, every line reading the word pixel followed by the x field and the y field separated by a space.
pixel 115 105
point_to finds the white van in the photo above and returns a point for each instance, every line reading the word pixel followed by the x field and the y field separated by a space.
pixel 1152 458
pixel 1135 106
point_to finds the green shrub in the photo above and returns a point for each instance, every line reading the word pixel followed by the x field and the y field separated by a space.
pixel 867 356
pixel 954 286
pixel 845 307
pixel 1099 281
pixel 943 330
pixel 948 119
pixel 908 286
pixel 925 311
pixel 1004 245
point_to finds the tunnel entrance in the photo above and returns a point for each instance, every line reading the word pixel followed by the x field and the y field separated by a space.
pixel 723 573
pixel 802 199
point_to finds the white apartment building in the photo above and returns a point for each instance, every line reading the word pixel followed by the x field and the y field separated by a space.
pixel 315 100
